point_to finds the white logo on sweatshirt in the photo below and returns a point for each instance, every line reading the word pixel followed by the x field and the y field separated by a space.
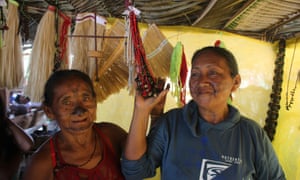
pixel 211 169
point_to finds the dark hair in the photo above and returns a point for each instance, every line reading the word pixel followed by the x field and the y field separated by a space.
pixel 61 76
pixel 18 98
pixel 227 55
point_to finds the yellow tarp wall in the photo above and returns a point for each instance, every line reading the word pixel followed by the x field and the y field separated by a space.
pixel 256 63
pixel 286 140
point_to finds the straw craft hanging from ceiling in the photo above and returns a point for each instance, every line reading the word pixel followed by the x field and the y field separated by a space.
pixel 158 51
pixel 83 41
pixel 42 58
pixel 112 68
pixel 11 57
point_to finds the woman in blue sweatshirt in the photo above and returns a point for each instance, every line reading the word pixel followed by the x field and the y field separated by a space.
pixel 207 138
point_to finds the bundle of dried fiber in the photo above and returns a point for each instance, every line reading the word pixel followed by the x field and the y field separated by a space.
pixel 12 63
pixel 43 55
pixel 113 70
pixel 83 41
pixel 158 51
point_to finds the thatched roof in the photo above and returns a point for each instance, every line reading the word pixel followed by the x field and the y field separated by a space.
pixel 267 20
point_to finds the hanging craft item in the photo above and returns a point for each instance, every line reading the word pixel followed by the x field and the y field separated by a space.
pixel 62 26
pixel 158 51
pixel 183 76
pixel 220 44
pixel 99 52
pixel 11 58
pixel 96 54
pixel 87 27
pixel 274 104
pixel 290 101
pixel 112 64
pixel 129 51
pixel 44 52
pixel 3 25
pixel 290 94
pixel 146 82
pixel 178 74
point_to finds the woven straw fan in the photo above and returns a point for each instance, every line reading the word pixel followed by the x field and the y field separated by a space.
pixel 158 50
pixel 83 42
pixel 112 68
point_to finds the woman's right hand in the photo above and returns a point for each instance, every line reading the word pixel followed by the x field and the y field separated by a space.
pixel 136 144
pixel 153 104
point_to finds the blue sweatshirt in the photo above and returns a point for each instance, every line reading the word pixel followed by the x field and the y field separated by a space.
pixel 186 147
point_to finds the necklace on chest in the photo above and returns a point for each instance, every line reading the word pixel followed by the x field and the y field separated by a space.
pixel 92 154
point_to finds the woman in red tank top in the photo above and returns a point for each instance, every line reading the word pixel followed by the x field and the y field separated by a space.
pixel 81 149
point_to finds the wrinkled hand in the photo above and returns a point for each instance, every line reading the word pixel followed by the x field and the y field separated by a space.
pixel 158 109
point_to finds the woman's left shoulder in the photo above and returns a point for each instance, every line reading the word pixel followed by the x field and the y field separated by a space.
pixel 251 125
pixel 108 126
pixel 111 130
pixel 115 133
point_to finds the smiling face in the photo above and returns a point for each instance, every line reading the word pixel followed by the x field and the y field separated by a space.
pixel 73 105
pixel 211 81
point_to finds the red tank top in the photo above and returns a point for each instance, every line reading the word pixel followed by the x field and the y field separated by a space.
pixel 108 168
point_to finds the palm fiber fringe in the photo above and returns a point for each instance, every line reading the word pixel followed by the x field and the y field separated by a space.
pixel 113 70
pixel 11 58
pixel 85 28
pixel 43 55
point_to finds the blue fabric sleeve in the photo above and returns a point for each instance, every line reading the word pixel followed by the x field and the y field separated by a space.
pixel 138 169
pixel 145 167
pixel 268 166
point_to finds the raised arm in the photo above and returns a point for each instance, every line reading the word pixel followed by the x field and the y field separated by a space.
pixel 39 166
pixel 136 143
pixel 23 140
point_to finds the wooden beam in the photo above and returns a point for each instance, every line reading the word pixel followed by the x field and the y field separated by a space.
pixel 242 10
pixel 206 10
pixel 283 22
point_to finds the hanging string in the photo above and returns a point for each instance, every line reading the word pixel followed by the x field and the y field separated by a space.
pixel 129 50
pixel 290 100
pixel 144 76
pixel 127 4
pixel 129 56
